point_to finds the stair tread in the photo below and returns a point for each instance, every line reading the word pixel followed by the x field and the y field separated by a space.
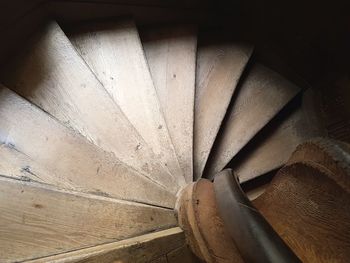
pixel 277 143
pixel 114 52
pixel 40 221
pixel 171 56
pixel 261 95
pixel 71 160
pixel 219 67
pixel 136 249
pixel 52 75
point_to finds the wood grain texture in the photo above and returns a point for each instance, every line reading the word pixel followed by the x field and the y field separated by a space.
pixel 330 156
pixel 37 221
pixel 261 95
pixel 171 56
pixel 71 160
pixel 310 211
pixel 138 249
pixel 219 68
pixel 199 218
pixel 114 52
pixel 272 147
pixel 51 74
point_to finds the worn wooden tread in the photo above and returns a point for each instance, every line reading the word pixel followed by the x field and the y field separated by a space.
pixel 143 248
pixel 113 51
pixel 37 220
pixel 273 145
pixel 261 95
pixel 219 68
pixel 71 161
pixel 52 75
pixel 171 56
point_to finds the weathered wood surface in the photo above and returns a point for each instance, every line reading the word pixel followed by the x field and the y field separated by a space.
pixel 72 162
pixel 20 166
pixel 272 146
pixel 38 221
pixel 261 95
pixel 219 68
pixel 145 248
pixel 51 74
pixel 171 56
pixel 114 52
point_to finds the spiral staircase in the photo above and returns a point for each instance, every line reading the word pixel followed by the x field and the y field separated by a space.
pixel 102 126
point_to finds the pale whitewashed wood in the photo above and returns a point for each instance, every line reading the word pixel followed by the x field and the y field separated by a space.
pixel 52 75
pixel 171 56
pixel 262 94
pixel 37 220
pixel 114 52
pixel 139 249
pixel 272 149
pixel 70 158
pixel 219 68
pixel 19 166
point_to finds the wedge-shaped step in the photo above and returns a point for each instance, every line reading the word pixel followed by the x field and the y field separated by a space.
pixel 219 68
pixel 21 167
pixel 37 221
pixel 114 52
pixel 171 56
pixel 261 95
pixel 144 248
pixel 272 147
pixel 52 75
pixel 70 159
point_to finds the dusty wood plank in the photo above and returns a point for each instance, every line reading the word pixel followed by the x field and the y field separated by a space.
pixel 37 221
pixel 71 159
pixel 219 67
pixel 143 248
pixel 114 52
pixel 171 56
pixel 52 75
pixel 262 94
pixel 19 166
pixel 271 149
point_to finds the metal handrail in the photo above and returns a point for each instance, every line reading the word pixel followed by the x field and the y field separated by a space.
pixel 254 237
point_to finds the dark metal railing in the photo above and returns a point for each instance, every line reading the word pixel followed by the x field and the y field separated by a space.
pixel 254 237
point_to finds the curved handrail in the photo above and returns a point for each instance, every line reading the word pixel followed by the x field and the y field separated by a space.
pixel 254 237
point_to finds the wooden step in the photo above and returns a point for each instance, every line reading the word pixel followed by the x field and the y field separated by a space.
pixel 37 221
pixel 71 160
pixel 171 56
pixel 272 147
pixel 113 51
pixel 52 75
pixel 144 248
pixel 219 68
pixel 261 95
